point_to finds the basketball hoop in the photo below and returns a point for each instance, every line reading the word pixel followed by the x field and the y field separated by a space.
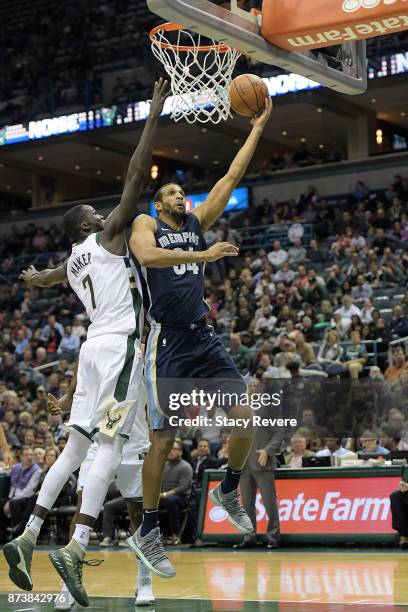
pixel 200 71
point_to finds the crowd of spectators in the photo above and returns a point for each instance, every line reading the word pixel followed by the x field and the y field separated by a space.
pixel 40 47
pixel 42 40
pixel 315 312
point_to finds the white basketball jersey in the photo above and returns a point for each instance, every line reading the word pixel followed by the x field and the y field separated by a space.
pixel 108 287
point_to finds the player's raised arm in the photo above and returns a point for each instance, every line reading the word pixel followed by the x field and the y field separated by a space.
pixel 143 245
pixel 137 172
pixel 220 194
pixel 45 278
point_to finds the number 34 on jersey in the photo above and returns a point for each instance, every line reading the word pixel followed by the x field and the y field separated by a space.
pixel 183 268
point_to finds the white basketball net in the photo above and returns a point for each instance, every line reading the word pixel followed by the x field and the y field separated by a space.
pixel 199 78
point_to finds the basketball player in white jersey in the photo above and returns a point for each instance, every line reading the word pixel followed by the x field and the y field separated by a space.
pixel 110 367
pixel 129 480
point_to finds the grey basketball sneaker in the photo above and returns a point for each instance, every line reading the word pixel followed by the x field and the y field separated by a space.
pixel 150 550
pixel 231 504
pixel 18 554
pixel 69 564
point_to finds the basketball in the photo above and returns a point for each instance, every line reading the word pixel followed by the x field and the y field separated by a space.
pixel 247 94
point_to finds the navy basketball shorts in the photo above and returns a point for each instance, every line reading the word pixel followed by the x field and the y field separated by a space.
pixel 181 361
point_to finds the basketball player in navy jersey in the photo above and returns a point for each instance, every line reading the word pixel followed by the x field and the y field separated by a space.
pixel 172 252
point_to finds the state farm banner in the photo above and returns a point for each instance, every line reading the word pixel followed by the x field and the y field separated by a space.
pixel 358 505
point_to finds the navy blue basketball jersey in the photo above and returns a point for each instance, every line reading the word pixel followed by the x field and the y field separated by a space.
pixel 177 293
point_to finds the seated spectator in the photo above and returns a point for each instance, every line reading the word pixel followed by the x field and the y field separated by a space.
pixel 355 356
pixel 51 455
pixel 284 274
pixel 296 253
pixel 298 445
pixel 52 324
pixel 266 322
pixel 52 343
pixel 176 490
pixel 330 354
pixel 39 457
pixel 347 310
pixel 277 256
pixel 24 479
pixel 356 325
pixel 390 437
pixel 367 311
pixel 362 290
pixel 334 448
pixel 399 323
pixel 69 344
pixel 308 418
pixel 392 373
pixel 29 438
pixel 203 461
pixel 240 354
pixel 369 444
pixel 314 254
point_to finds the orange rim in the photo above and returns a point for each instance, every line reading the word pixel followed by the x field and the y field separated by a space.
pixel 173 27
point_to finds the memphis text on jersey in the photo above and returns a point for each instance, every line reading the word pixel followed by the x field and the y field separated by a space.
pixel 79 263
pixel 181 238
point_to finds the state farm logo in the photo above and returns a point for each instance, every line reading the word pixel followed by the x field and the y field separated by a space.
pixel 334 507
pixel 349 6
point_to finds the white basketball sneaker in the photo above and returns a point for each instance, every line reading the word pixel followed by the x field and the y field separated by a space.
pixel 64 601
pixel 144 592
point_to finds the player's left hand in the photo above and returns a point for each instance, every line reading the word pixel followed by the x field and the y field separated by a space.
pixel 28 275
pixel 263 457
pixel 160 93
pixel 263 118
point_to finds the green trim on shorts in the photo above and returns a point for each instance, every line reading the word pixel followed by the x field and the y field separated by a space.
pixel 122 384
pixel 122 435
pixel 85 433
pixel 136 297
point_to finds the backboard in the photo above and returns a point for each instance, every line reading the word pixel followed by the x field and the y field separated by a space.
pixel 241 30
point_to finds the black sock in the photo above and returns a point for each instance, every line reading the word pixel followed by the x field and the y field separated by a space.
pixel 231 480
pixel 150 520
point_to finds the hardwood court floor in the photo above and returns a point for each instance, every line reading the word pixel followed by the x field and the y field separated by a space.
pixel 214 579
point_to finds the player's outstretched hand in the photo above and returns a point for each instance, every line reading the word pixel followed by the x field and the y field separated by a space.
pixel 58 406
pixel 263 118
pixel 220 250
pixel 28 275
pixel 160 93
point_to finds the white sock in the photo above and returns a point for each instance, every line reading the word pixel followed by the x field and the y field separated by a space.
pixel 81 535
pixel 34 524
pixel 142 571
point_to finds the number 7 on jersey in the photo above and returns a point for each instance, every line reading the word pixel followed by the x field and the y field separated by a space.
pixel 87 281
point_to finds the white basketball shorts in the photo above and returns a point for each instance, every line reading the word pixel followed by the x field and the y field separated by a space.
pixel 109 385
